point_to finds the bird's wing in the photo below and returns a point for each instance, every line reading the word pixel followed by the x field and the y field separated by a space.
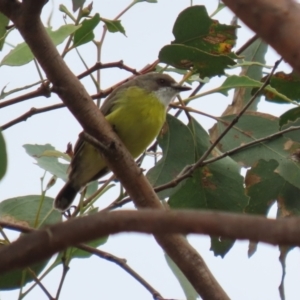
pixel 109 102
pixel 107 107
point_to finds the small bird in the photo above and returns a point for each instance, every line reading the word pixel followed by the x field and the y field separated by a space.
pixel 136 110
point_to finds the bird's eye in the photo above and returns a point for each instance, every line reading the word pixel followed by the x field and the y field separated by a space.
pixel 161 81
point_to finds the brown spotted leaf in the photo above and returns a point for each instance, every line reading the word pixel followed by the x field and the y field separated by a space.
pixel 252 126
pixel 218 185
pixel 200 43
pixel 286 84
pixel 193 27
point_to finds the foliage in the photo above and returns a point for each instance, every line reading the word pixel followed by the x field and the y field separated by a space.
pixel 202 48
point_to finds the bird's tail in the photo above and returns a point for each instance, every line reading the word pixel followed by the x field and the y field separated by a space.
pixel 65 197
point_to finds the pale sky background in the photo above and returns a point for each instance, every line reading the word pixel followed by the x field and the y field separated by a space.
pixel 148 28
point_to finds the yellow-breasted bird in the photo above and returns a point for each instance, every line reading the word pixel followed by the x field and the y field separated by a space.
pixel 137 111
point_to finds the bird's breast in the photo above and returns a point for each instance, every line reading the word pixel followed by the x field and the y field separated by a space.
pixel 137 118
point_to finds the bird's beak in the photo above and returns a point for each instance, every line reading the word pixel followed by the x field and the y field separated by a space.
pixel 180 88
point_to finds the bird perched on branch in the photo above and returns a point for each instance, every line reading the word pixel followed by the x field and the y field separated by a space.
pixel 137 111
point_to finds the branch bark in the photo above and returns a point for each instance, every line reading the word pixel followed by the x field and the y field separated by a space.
pixel 41 244
pixel 277 22
pixel 26 17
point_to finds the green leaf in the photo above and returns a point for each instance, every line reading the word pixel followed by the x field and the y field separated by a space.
pixel 218 185
pixel 252 126
pixel 64 9
pixel 185 57
pixel 74 252
pixel 13 279
pixel 259 179
pixel 293 135
pixel 244 84
pixel 22 55
pixel 18 56
pixel 188 289
pixel 47 158
pixel 235 82
pixel 77 4
pixel 178 151
pixel 85 33
pixel 78 253
pixel 220 246
pixel 193 27
pixel 287 84
pixel 59 35
pixel 289 116
pixel 91 188
pixel 3 31
pixel 23 210
pixel 3 156
pixel 200 42
pixel 254 53
pixel 114 25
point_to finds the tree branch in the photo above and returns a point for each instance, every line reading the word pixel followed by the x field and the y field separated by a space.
pixel 99 65
pixel 31 112
pixel 123 264
pixel 41 244
pixel 118 159
pixel 43 90
pixel 277 22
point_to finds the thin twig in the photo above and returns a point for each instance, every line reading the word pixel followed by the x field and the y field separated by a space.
pixel 63 277
pixel 234 121
pixel 123 264
pixel 258 141
pixel 99 65
pixel 118 204
pixel 190 109
pixel 43 90
pixel 93 196
pixel 185 175
pixel 33 111
pixel 183 104
pixel 39 283
pixel 67 49
pixel 99 44
pixel 247 44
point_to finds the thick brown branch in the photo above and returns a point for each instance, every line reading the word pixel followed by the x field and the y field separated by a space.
pixel 76 98
pixel 8 7
pixel 41 244
pixel 277 22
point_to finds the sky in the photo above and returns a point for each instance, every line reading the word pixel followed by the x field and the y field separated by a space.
pixel 148 28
